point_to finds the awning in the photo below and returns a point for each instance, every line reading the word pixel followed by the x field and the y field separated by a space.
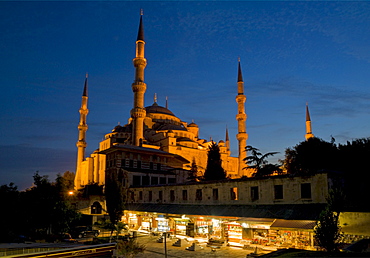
pixel 287 212
pixel 293 224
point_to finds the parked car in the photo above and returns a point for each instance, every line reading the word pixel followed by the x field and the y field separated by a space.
pixel 85 231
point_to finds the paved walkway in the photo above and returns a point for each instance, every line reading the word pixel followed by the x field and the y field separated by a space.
pixel 155 249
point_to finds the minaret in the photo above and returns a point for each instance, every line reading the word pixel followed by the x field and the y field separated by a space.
pixel 138 112
pixel 308 125
pixel 241 117
pixel 227 140
pixel 82 128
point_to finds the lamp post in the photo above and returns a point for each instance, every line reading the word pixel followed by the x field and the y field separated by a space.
pixel 165 243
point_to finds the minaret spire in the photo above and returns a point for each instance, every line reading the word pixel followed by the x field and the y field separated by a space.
pixel 308 124
pixel 241 117
pixel 227 140
pixel 138 112
pixel 82 128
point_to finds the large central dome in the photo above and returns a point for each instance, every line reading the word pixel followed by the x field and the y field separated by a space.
pixel 156 109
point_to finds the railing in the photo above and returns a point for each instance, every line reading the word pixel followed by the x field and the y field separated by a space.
pixel 82 251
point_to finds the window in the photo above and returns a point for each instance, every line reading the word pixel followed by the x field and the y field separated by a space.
pixel 131 163
pixel 215 194
pixel 132 196
pixel 158 166
pixel 138 164
pixel 96 208
pixel 150 196
pixel 171 180
pixel 162 180
pixel 306 190
pixel 172 195
pixel 278 191
pixel 145 180
pixel 254 193
pixel 234 193
pixel 140 195
pixel 136 180
pixel 198 194
pixel 154 180
pixel 151 165
pixel 160 195
pixel 185 195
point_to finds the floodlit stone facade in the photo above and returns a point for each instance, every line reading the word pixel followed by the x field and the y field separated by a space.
pixel 250 191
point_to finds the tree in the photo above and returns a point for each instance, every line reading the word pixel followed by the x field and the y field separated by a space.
pixel 115 195
pixel 10 215
pixel 193 172
pixel 214 169
pixel 258 162
pixel 47 209
pixel 311 156
pixel 327 231
pixel 129 248
pixel 354 158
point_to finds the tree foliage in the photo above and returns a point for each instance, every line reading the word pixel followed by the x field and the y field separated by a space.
pixel 311 156
pixel 327 231
pixel 259 164
pixel 349 160
pixel 214 169
pixel 38 211
pixel 193 172
pixel 130 248
pixel 115 195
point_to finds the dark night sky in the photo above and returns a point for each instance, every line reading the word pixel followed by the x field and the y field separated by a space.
pixel 291 53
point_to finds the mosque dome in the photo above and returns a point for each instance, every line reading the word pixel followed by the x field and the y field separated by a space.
pixel 156 109
pixel 192 124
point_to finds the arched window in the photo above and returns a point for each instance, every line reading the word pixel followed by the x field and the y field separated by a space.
pixel 96 208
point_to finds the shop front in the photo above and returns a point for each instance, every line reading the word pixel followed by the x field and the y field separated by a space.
pixel 233 233
pixel 181 225
pixel 255 230
pixel 162 224
pixel 292 233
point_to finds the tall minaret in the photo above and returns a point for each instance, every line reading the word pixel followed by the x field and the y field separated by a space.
pixel 82 128
pixel 308 124
pixel 138 112
pixel 241 117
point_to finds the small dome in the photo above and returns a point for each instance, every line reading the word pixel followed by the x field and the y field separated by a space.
pixel 192 124
pixel 117 128
pixel 121 129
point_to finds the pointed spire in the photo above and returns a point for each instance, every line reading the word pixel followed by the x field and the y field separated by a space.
pixel 140 34
pixel 85 86
pixel 166 102
pixel 308 118
pixel 240 76
pixel 227 135
pixel 155 97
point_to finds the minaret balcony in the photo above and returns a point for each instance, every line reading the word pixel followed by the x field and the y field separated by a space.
pixel 241 117
pixel 242 136
pixel 138 86
pixel 81 144
pixel 82 127
pixel 240 99
pixel 139 61
pixel 138 112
